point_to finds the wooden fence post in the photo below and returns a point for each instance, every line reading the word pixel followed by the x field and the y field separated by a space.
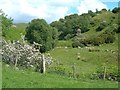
pixel 16 61
pixel 73 67
pixel 43 64
pixel 104 73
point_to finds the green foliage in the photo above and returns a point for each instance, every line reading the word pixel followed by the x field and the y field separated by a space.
pixel 111 73
pixel 28 79
pixel 39 31
pixel 105 37
pixel 6 23
pixel 75 44
pixel 69 26
pixel 92 14
pixel 101 26
pixel 116 10
pixel 109 37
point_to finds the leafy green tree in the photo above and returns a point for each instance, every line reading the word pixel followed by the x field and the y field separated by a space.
pixel 84 22
pixel 5 22
pixel 39 31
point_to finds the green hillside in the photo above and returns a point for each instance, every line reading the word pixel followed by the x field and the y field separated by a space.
pixel 84 48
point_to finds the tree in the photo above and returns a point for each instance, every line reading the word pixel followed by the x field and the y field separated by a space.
pixel 92 14
pixel 84 22
pixel 39 31
pixel 116 10
pixel 6 22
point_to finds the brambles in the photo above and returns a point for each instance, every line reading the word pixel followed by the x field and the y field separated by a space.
pixel 20 54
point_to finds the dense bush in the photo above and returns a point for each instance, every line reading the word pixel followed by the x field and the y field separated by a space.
pixel 5 22
pixel 108 36
pixel 70 24
pixel 23 55
pixel 105 37
pixel 39 31
pixel 111 73
pixel 75 44
pixel 101 26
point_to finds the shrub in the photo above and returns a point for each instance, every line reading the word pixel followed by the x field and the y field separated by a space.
pixel 75 44
pixel 111 73
pixel 23 55
pixel 108 36
pixel 101 26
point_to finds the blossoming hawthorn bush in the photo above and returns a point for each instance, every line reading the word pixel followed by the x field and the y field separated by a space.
pixel 23 55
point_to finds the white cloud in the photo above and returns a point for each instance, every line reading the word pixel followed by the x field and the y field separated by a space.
pixel 86 5
pixel 26 10
pixel 110 0
pixel 47 9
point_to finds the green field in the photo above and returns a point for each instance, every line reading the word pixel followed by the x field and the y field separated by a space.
pixel 27 79
pixel 15 32
pixel 58 74
pixel 66 57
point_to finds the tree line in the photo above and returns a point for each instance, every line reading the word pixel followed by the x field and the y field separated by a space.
pixel 39 31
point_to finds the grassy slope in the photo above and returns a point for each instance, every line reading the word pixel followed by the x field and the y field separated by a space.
pixel 103 16
pixel 67 57
pixel 15 33
pixel 92 59
pixel 29 79
pixel 26 79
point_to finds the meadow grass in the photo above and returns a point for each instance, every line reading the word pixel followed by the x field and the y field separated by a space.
pixel 26 79
pixel 13 78
pixel 15 32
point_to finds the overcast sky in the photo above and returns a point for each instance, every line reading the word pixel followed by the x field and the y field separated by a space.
pixel 50 10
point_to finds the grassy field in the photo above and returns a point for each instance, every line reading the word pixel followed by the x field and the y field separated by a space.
pixel 65 57
pixel 88 61
pixel 0 75
pixel 15 32
pixel 27 79
pixel 13 78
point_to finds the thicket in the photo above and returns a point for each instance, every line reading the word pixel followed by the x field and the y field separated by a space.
pixel 20 54
pixel 68 26
pixel 105 37
pixel 40 32
pixel 106 72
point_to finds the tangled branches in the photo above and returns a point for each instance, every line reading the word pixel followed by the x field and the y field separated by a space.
pixel 21 54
